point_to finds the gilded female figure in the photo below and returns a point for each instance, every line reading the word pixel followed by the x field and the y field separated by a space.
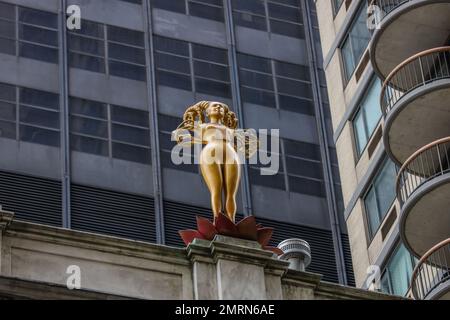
pixel 219 159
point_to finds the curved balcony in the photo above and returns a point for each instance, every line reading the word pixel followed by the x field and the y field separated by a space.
pixel 414 101
pixel 431 277
pixel 404 27
pixel 423 189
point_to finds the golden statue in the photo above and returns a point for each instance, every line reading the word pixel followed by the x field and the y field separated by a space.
pixel 219 159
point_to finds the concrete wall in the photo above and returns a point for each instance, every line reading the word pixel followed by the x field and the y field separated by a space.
pixel 226 268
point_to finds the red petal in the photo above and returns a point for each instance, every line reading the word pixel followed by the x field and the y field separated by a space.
pixel 225 226
pixel 189 235
pixel 206 228
pixel 274 250
pixel 264 235
pixel 247 228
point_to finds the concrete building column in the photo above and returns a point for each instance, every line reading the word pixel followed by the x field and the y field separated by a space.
pixel 235 269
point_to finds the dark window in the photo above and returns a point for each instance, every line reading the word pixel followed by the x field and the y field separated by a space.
pixel 127 70
pixel 126 36
pixel 380 196
pixel 38 35
pixel 133 1
pixel 126 52
pixel 85 62
pixel 173 62
pixel 131 153
pixel 355 43
pixel 39 135
pixel 89 145
pixel 206 9
pixel 7 11
pixel 293 87
pixel 32 51
pixel 129 116
pixel 173 5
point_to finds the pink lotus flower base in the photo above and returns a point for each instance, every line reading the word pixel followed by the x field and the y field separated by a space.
pixel 246 229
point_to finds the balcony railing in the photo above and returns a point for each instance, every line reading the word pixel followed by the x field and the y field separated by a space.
pixel 384 7
pixel 419 70
pixel 427 163
pixel 432 270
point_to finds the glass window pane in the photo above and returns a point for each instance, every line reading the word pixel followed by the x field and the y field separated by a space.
pixel 372 211
pixel 287 29
pixel 400 271
pixel 7 92
pixel 39 98
pixel 131 153
pixel 174 63
pixel 89 145
pixel 126 70
pixel 87 108
pixel 275 181
pixel 87 45
pixel 129 116
pixel 89 126
pixel 38 52
pixel 207 12
pixel 126 53
pixel 7 111
pixel 7 11
pixel 368 116
pixel 302 149
pixel 38 17
pixel 360 132
pixel 296 105
pixel 213 88
pixel 259 97
pixel 131 135
pixel 306 186
pixel 172 5
pixel 90 28
pixel 295 88
pixel 39 117
pixel 209 54
pixel 372 106
pixel 210 70
pixel 8 46
pixel 251 6
pixel 7 129
pixel 291 70
pixel 174 80
pixel 38 35
pixel 284 13
pixel 254 63
pixel 85 62
pixel 126 36
pixel 256 80
pixel 385 187
pixel 171 45
pixel 356 42
pixel 39 135
pixel 250 21
pixel 7 29
pixel 304 168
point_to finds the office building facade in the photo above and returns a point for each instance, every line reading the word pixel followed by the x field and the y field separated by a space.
pixel 387 66
pixel 86 116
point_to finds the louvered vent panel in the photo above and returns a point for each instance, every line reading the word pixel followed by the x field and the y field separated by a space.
pixel 180 216
pixel 113 213
pixel 32 199
pixel 348 260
